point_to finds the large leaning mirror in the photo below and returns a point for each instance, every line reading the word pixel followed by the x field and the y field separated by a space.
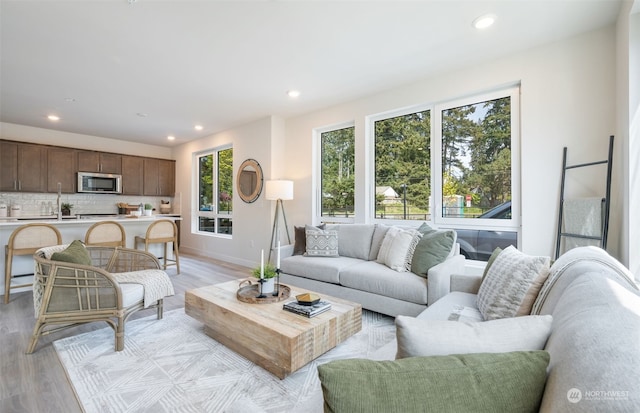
pixel 249 180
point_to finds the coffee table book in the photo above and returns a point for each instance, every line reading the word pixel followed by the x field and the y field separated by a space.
pixel 307 310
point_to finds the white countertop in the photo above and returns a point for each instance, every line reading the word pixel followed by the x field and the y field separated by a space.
pixel 74 220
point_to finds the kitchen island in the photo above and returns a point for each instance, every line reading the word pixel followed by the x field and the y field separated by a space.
pixel 72 228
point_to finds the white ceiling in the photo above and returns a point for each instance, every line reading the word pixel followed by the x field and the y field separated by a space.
pixel 225 63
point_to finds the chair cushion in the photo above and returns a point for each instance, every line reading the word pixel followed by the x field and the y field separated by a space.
pixel 75 253
pixel 489 382
pixel 131 294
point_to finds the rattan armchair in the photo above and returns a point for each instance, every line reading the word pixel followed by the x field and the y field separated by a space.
pixel 119 282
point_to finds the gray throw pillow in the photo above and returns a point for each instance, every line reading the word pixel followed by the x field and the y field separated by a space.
pixel 432 249
pixel 321 243
pixel 485 382
pixel 300 239
pixel 75 253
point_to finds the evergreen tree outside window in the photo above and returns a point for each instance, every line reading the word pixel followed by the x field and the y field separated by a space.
pixel 337 172
pixel 215 191
pixel 403 166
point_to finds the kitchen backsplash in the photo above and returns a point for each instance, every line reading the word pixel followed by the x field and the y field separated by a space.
pixel 37 203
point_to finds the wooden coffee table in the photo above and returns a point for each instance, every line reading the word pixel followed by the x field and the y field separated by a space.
pixel 277 340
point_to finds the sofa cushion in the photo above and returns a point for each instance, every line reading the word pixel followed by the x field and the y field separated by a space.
pixel 512 284
pixel 75 253
pixel 376 240
pixel 317 268
pixel 321 243
pixel 354 240
pixel 300 239
pixel 417 337
pixel 433 248
pixel 379 279
pixel 501 382
pixel 397 248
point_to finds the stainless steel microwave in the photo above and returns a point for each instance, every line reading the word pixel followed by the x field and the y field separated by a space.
pixel 93 182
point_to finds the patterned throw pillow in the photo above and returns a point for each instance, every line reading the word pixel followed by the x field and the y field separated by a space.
pixel 300 239
pixel 322 243
pixel 512 284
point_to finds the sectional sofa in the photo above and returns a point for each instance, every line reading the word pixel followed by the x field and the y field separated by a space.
pixel 590 305
pixel 356 274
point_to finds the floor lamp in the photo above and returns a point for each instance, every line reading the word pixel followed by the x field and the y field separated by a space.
pixel 278 190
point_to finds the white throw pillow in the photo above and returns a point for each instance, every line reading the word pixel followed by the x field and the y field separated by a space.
pixel 397 248
pixel 512 284
pixel 418 337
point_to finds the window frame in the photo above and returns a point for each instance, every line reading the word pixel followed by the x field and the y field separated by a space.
pixel 317 178
pixel 214 214
pixel 371 154
pixel 512 224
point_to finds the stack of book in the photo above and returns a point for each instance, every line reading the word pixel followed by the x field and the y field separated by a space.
pixel 307 310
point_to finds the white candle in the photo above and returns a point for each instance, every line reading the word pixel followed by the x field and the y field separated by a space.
pixel 262 264
pixel 278 260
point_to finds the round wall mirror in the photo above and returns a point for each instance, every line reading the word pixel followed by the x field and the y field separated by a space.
pixel 249 180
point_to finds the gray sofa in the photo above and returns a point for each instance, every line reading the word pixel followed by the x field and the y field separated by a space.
pixel 356 276
pixel 595 333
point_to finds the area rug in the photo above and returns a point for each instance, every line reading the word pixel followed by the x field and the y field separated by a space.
pixel 170 365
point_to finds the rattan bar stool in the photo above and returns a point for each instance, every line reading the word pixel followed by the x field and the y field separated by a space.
pixel 106 234
pixel 162 231
pixel 26 240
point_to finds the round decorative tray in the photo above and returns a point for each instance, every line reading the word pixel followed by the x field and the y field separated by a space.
pixel 249 294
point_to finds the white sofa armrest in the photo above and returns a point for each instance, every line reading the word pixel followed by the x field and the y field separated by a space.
pixel 466 283
pixel 439 277
pixel 286 251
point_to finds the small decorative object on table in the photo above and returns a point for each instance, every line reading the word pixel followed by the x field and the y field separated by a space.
pixel 307 310
pixel 308 299
pixel 250 293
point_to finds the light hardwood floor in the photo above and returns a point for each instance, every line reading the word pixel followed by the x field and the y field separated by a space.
pixel 37 382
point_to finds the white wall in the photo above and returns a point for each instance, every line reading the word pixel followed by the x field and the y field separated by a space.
pixel 567 99
pixel 251 222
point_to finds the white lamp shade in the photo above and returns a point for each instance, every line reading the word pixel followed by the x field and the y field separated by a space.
pixel 278 189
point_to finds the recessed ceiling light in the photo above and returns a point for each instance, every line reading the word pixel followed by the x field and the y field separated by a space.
pixel 53 118
pixel 142 115
pixel 171 138
pixel 198 127
pixel 69 100
pixel 293 93
pixel 484 21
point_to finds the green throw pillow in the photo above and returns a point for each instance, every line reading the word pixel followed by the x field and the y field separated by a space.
pixel 432 249
pixel 481 382
pixel 75 253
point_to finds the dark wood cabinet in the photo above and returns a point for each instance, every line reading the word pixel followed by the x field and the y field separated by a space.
pixel 132 175
pixel 23 167
pixel 103 162
pixel 159 177
pixel 61 166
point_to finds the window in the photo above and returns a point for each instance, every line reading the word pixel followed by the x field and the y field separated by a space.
pixel 337 173
pixel 215 191
pixel 477 143
pixel 403 166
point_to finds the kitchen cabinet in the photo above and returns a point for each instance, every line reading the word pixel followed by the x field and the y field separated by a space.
pixel 103 162
pixel 61 166
pixel 132 175
pixel 159 177
pixel 23 167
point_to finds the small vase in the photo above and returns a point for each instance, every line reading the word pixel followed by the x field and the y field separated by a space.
pixel 147 212
pixel 268 286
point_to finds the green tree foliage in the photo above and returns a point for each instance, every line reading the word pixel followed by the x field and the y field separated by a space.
pixel 205 173
pixel 225 180
pixel 338 170
pixel 402 156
